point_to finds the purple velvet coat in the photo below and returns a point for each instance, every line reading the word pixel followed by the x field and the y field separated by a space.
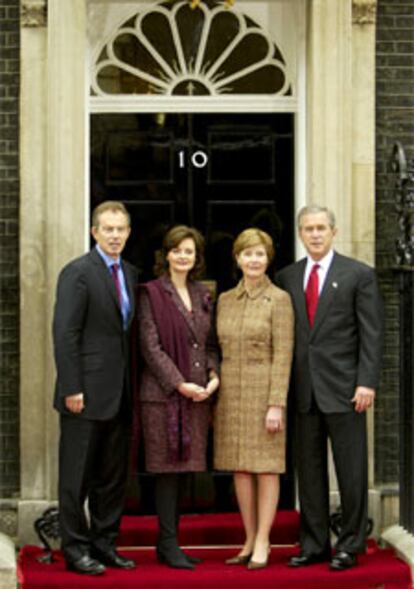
pixel 161 376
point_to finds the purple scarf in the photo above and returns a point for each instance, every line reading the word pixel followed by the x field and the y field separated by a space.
pixel 172 331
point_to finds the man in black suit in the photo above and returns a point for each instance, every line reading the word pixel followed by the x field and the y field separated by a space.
pixel 91 328
pixel 338 341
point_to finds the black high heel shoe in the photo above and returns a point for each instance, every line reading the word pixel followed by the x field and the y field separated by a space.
pixel 192 559
pixel 175 559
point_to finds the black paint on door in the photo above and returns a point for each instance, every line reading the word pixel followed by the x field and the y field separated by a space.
pixel 218 172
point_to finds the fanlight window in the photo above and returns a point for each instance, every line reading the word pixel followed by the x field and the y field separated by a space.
pixel 174 49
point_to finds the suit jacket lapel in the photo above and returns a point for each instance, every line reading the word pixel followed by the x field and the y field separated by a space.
pixel 327 294
pixel 131 292
pixel 106 277
pixel 196 304
pixel 169 287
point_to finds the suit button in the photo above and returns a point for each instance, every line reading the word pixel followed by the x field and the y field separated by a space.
pixel 195 345
pixel 197 364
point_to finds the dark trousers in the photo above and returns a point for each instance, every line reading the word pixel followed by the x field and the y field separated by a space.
pixel 347 433
pixel 93 464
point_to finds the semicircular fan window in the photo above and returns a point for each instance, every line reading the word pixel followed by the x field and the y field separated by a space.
pixel 173 49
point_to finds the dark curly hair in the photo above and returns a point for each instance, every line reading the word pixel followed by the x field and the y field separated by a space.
pixel 172 239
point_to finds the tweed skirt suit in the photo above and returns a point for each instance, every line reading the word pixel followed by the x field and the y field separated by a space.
pixel 255 333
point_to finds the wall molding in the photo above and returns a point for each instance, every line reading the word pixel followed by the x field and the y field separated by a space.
pixel 364 12
pixel 33 13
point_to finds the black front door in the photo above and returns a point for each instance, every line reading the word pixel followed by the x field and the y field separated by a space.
pixel 218 172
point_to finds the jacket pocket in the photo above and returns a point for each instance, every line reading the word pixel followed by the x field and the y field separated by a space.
pixel 257 351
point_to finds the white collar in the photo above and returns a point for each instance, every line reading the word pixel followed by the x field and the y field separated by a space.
pixel 324 262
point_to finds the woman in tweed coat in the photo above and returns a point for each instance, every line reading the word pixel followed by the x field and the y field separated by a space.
pixel 255 331
pixel 178 379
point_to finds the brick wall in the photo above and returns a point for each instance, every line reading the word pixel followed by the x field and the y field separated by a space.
pixel 9 242
pixel 395 121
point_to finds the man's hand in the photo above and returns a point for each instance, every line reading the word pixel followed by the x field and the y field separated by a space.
pixel 363 398
pixel 75 403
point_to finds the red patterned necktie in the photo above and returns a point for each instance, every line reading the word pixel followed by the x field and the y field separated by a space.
pixel 115 276
pixel 312 293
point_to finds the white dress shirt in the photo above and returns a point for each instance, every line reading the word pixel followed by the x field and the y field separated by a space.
pixel 323 269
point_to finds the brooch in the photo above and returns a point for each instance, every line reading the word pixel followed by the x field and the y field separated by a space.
pixel 207 302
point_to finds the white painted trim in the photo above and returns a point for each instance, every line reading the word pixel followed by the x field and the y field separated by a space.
pixel 87 175
pixel 402 542
pixel 166 78
pixel 8 565
pixel 301 172
pixel 236 103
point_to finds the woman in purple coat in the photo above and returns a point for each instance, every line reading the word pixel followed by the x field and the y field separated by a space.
pixel 179 377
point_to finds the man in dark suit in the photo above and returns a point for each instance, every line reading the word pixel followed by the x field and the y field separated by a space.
pixel 338 341
pixel 91 329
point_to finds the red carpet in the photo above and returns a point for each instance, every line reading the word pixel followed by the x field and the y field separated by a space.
pixel 377 569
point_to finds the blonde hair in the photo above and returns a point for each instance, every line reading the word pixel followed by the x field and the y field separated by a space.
pixel 109 205
pixel 252 237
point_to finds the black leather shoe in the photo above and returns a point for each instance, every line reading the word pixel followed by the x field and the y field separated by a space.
pixel 112 559
pixel 85 565
pixel 343 561
pixel 303 560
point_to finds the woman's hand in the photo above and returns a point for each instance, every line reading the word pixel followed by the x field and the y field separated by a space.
pixel 213 384
pixel 275 419
pixel 192 391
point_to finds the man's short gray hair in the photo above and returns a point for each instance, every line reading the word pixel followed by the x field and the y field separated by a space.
pixel 314 210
